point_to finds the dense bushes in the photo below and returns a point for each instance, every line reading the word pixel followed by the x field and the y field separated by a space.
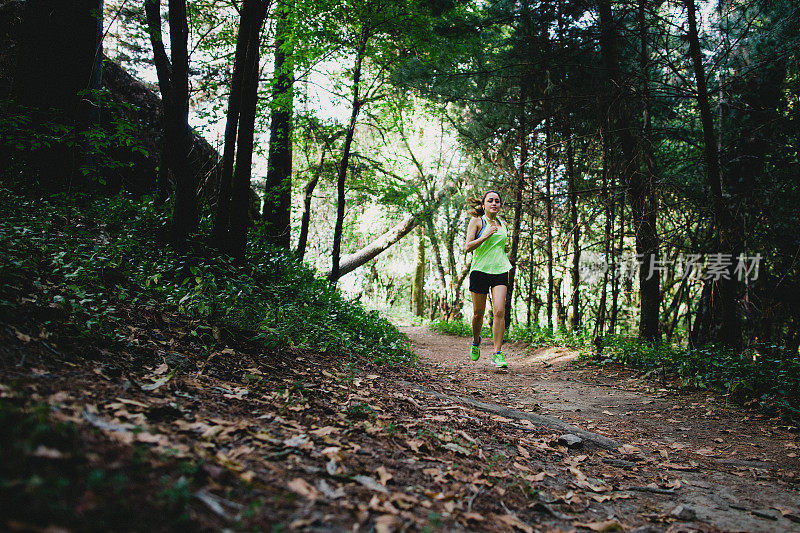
pixel 85 259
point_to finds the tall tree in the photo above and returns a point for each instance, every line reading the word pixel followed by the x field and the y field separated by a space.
pixel 722 293
pixel 173 82
pixel 231 218
pixel 277 194
pixel 638 186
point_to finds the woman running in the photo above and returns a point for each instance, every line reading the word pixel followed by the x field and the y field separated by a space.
pixel 487 236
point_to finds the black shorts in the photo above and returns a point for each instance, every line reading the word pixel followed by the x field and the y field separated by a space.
pixel 481 282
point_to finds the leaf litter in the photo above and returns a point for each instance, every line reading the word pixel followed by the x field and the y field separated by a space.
pixel 290 437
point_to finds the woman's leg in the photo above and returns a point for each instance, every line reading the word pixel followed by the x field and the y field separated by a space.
pixel 478 310
pixel 499 313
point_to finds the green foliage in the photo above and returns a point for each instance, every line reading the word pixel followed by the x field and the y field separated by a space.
pixel 458 327
pixel 360 411
pixel 87 263
pixel 534 336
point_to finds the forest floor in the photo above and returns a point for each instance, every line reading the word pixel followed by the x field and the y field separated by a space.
pixel 166 431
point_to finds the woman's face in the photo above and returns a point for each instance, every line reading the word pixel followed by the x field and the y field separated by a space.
pixel 491 203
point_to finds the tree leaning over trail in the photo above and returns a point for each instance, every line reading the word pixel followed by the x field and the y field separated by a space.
pixel 371 33
pixel 398 231
pixel 173 82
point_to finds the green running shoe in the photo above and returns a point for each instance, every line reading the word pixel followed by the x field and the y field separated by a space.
pixel 475 350
pixel 499 360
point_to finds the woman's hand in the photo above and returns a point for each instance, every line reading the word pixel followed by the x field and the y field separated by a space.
pixel 491 230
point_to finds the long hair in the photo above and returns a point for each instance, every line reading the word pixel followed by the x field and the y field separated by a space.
pixel 476 204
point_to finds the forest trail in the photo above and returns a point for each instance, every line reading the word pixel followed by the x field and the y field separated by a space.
pixel 729 468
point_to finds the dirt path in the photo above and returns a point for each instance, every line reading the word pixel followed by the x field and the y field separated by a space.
pixel 734 469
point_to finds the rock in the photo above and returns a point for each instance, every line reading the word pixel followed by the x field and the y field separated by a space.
pixel 570 441
pixel 646 529
pixel 683 512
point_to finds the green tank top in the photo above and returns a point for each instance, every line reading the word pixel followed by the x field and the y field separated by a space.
pixel 490 257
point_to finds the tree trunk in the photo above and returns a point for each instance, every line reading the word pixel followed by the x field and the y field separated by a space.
pixel 520 186
pixel 352 261
pixel 600 324
pixel 616 281
pixel 418 284
pixel 222 213
pixel 277 195
pixel 649 289
pixel 173 82
pixel 576 231
pixel 305 219
pixel 722 303
pixel 240 191
pixel 644 228
pixel 548 209
pixel 530 261
pixel 561 319
pixel 336 272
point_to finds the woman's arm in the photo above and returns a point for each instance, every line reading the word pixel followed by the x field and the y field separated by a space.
pixel 472 230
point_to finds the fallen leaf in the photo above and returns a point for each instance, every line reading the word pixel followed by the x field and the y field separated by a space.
pixel 370 483
pixel 452 446
pixel 515 522
pixel 303 488
pixel 606 526
pixel 520 466
pixel 627 449
pixel 327 430
pixel 383 475
pixel 474 516
pixel 536 478
pixel 296 441
pixel 415 444
pixel 706 452
pixel 386 523
pixel 21 336
pixel 328 491
pixel 160 381
pixel 44 452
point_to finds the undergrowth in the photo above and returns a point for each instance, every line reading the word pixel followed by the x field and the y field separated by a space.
pixel 761 376
pixel 87 258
